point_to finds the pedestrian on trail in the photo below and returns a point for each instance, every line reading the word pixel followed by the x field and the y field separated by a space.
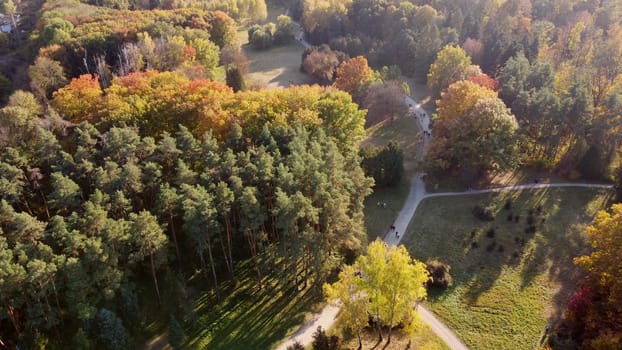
pixel 397 234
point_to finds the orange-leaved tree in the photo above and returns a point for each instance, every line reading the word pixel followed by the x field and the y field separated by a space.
pixel 80 99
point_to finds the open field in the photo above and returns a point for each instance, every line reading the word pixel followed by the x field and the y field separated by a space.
pixel 509 286
pixel 278 66
pixel 405 131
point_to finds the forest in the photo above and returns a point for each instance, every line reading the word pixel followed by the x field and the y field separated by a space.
pixel 133 153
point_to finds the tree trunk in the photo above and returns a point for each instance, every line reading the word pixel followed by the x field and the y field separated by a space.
pixel 172 225
pixel 155 278
pixel 229 250
pixel 211 262
pixel 358 334
pixel 253 246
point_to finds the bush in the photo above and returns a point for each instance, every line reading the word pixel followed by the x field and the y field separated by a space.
pixel 321 341
pixel 508 204
pixel 510 217
pixel 501 248
pixel 484 214
pixel 531 229
pixel 439 274
pixel 5 88
pixel 490 233
pixel 385 165
pixel 491 246
pixel 296 346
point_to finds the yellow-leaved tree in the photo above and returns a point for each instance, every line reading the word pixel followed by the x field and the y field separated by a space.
pixel 385 283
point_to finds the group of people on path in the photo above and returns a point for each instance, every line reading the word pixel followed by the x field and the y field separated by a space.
pixel 392 228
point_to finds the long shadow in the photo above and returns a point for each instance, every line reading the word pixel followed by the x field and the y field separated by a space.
pixel 570 245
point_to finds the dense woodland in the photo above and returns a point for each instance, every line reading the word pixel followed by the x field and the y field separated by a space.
pixel 557 64
pixel 84 213
pixel 129 161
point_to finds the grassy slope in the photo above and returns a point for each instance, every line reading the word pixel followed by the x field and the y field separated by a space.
pixel 503 300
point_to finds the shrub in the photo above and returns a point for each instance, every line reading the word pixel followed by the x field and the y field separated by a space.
pixel 516 218
pixel 531 229
pixel 296 346
pixel 510 217
pixel 490 233
pixel 501 249
pixel 482 213
pixel 5 88
pixel 474 244
pixel 491 246
pixel 321 341
pixel 530 219
pixel 508 204
pixel 439 274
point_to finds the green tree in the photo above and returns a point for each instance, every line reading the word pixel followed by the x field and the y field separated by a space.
pixel 450 66
pixel 480 139
pixel 66 194
pixel 207 53
pixel 46 75
pixel 176 336
pixel 149 240
pixel 112 335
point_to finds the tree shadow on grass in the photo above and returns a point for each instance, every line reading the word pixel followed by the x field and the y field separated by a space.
pixel 251 319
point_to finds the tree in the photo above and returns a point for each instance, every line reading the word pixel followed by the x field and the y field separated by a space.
pixel 321 341
pixel 450 66
pixel 66 194
pixel 321 62
pixel 475 132
pixel 384 101
pixel 605 290
pixel 403 286
pixel 385 165
pixel 235 79
pixel 27 101
pixel 349 292
pixel 352 76
pixel 149 239
pixel 46 75
pixel 393 282
pixel 176 336
pixel 111 333
pixel 207 53
pixel 79 100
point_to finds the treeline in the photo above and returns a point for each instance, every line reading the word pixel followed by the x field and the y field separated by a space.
pixel 557 64
pixel 86 212
pixel 114 43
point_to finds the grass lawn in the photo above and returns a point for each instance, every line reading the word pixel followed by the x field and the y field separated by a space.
pixel 278 66
pixel 502 298
pixel 247 318
pixel 405 131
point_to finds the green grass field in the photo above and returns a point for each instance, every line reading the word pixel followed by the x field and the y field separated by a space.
pixel 502 298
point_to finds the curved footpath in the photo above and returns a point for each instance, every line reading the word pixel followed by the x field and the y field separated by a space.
pixel 326 318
